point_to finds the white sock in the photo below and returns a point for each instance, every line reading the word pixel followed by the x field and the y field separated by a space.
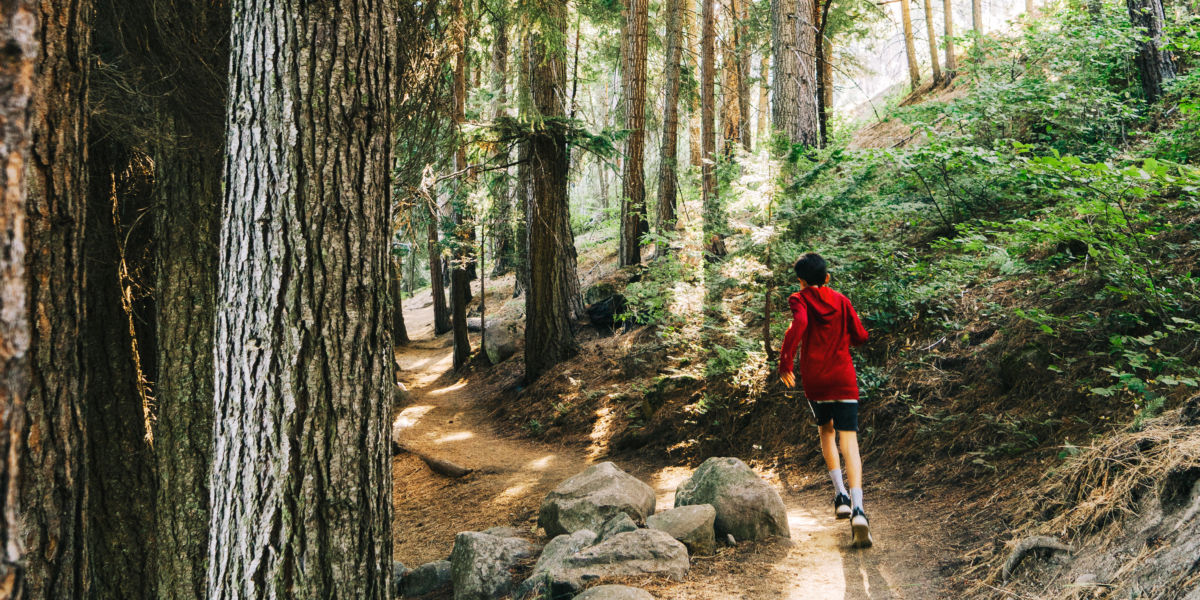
pixel 835 475
pixel 856 498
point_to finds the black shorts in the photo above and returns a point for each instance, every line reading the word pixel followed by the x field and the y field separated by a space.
pixel 843 414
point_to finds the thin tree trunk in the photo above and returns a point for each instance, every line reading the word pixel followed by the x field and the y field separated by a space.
pixel 121 482
pixel 695 156
pixel 794 101
pixel 460 292
pixel 764 107
pixel 910 49
pixel 933 50
pixel 503 249
pixel 437 286
pixel 948 39
pixel 301 482
pixel 668 161
pixel 819 45
pixel 1029 8
pixel 743 72
pixel 708 35
pixel 633 184
pixel 16 124
pixel 53 500
pixel 549 338
pixel 1154 62
pixel 977 16
pixel 399 330
pixel 731 102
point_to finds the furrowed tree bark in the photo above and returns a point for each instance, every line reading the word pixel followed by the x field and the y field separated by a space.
pixel 1153 60
pixel 548 335
pixel 19 33
pixel 53 496
pixel 948 39
pixel 708 138
pixel 301 482
pixel 633 184
pixel 933 50
pixel 503 248
pixel 731 101
pixel 121 478
pixel 910 49
pixel 793 46
pixel 668 161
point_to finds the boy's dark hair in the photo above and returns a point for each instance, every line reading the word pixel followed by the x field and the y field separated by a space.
pixel 811 268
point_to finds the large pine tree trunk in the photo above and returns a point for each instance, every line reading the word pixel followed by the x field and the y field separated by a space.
pixel 121 483
pixel 633 184
pixel 910 48
pixel 668 162
pixel 933 50
pixel 948 39
pixel 301 482
pixel 53 477
pixel 794 103
pixel 549 338
pixel 17 82
pixel 1154 63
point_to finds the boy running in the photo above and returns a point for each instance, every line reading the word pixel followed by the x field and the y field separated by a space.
pixel 825 325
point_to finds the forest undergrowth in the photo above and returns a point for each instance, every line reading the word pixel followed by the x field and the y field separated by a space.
pixel 1023 250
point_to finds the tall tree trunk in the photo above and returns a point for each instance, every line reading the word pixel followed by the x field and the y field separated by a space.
pixel 524 178
pixel 548 335
pixel 820 43
pixel 794 102
pixel 399 330
pixel 121 480
pixel 692 20
pixel 910 49
pixel 301 482
pixel 437 286
pixel 708 35
pixel 743 72
pixel 633 183
pixel 18 84
pixel 503 249
pixel 460 290
pixel 764 83
pixel 1029 8
pixel 731 102
pixel 668 161
pixel 933 50
pixel 948 38
pixel 977 16
pixel 53 500
pixel 1154 63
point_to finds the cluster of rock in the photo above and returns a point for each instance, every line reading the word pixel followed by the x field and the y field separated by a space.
pixel 602 525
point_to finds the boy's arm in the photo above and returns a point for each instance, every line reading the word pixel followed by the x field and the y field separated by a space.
pixel 858 333
pixel 795 333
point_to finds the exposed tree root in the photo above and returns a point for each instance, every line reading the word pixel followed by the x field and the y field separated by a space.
pixel 437 465
pixel 1027 545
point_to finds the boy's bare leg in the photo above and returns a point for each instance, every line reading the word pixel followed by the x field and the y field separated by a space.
pixel 848 440
pixel 829 446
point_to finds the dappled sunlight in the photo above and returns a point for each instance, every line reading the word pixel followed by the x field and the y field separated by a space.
pixel 540 464
pixel 409 416
pixel 450 388
pixel 454 437
pixel 665 482
pixel 605 417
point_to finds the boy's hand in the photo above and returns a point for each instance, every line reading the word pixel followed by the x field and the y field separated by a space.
pixel 788 379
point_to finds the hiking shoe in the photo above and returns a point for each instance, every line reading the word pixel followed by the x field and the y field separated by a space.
pixel 841 506
pixel 860 529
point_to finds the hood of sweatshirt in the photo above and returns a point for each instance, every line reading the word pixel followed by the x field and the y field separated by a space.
pixel 822 302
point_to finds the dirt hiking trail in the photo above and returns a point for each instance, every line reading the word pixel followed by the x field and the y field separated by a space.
pixel 511 474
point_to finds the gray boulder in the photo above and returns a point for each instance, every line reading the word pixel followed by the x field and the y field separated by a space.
pixel 480 562
pixel 474 324
pixel 614 592
pixel 747 507
pixel 500 342
pixel 588 499
pixel 692 525
pixel 628 554
pixel 540 583
pixel 398 573
pixel 425 578
pixel 618 523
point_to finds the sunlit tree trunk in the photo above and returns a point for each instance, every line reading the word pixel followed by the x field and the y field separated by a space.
pixel 633 186
pixel 764 106
pixel 1154 62
pixel 549 338
pixel 742 29
pixel 933 50
pixel 977 16
pixel 53 476
pixel 19 34
pixel 301 482
pixel 910 49
pixel 948 39
pixel 667 177
pixel 794 93
pixel 692 19
pixel 731 103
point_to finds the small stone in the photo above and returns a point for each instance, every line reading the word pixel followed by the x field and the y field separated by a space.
pixel 618 523
pixel 692 525
pixel 1088 579
pixel 729 538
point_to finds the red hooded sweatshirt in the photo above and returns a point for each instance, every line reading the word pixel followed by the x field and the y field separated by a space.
pixel 827 324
